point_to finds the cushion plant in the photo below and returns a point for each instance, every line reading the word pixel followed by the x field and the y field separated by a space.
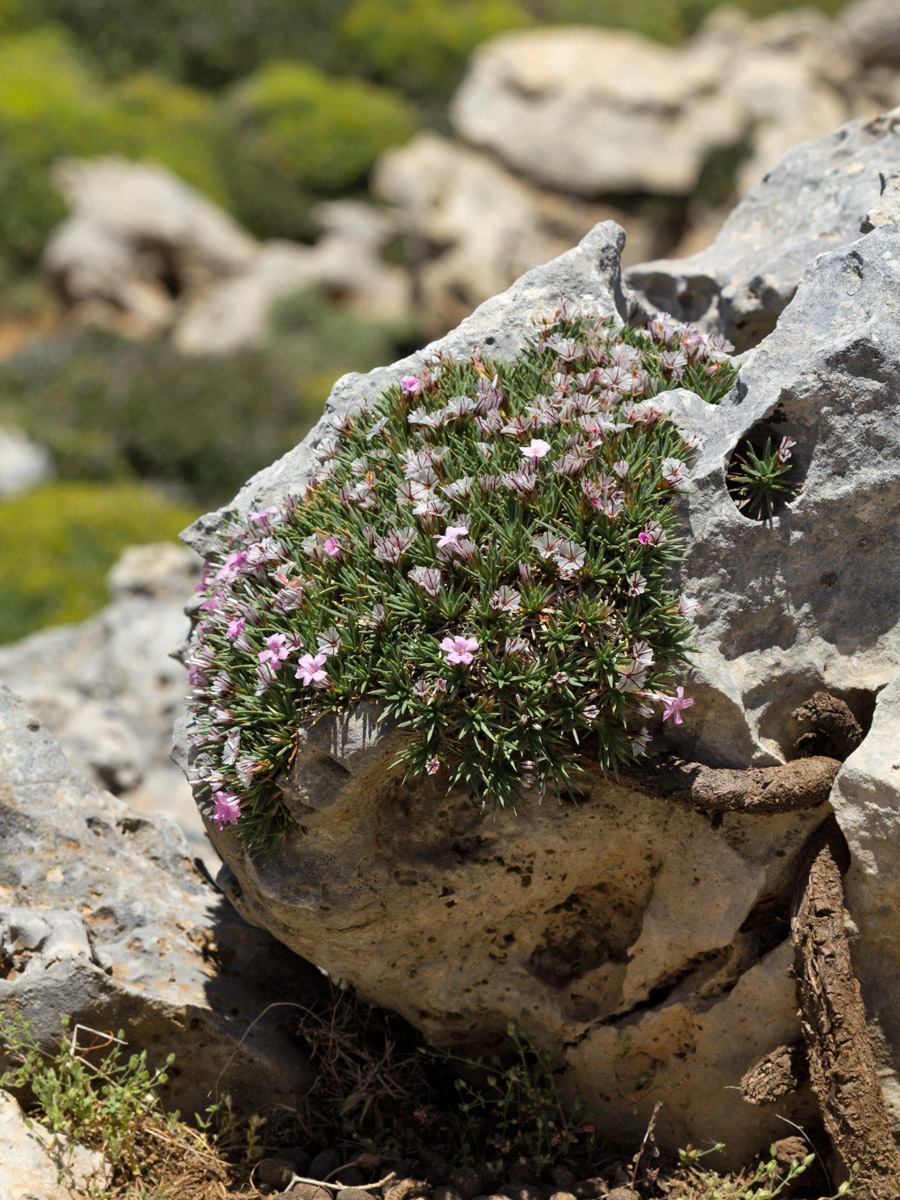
pixel 485 551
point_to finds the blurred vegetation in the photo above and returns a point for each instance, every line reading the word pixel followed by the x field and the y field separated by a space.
pixel 58 542
pixel 111 410
pixel 294 136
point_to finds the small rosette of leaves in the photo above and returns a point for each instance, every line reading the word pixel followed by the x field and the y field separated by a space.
pixel 763 481
pixel 485 552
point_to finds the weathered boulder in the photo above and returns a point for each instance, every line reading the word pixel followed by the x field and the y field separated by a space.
pixel 109 690
pixel 103 920
pixel 546 103
pixel 542 102
pixel 646 938
pixel 473 227
pixel 814 200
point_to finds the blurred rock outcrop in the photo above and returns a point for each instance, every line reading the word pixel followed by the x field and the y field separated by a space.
pixel 145 254
pixel 23 463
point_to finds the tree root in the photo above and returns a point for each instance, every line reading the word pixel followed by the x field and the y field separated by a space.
pixel 842 1067
pixel 804 783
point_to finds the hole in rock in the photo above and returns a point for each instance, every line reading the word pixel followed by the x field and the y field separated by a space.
pixel 765 474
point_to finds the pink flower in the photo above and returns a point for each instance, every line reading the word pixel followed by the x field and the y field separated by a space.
pixel 332 546
pixel 236 627
pixel 674 705
pixel 432 766
pixel 310 669
pixel 459 649
pixel 277 652
pixel 227 809
pixel 450 534
pixel 536 448
pixel 410 384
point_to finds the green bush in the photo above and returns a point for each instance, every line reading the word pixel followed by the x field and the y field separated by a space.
pixel 208 43
pixel 421 46
pixel 53 105
pixel 294 135
pixel 58 542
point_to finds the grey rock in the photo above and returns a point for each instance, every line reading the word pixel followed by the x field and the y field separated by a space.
pixel 23 463
pixel 873 29
pixel 109 690
pixel 102 920
pixel 538 101
pixel 40 1165
pixel 813 201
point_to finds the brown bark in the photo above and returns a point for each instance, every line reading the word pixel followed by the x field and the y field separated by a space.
pixel 842 1066
pixel 781 1072
pixel 787 787
pixel 835 731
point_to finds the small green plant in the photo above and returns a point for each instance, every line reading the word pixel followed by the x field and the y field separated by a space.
pixel 762 481
pixel 511 1107
pixel 88 1091
pixel 102 1103
pixel 485 553
pixel 769 1179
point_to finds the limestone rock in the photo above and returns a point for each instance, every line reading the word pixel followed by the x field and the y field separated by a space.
pixel 109 689
pixel 102 920
pixel 38 1165
pixel 136 238
pixel 145 254
pixel 345 261
pixel 648 940
pixel 814 200
pixel 873 28
pixel 23 463
pixel 473 227
pixel 547 104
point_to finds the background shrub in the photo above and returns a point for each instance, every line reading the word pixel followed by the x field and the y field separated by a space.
pixel 58 542
pixel 294 135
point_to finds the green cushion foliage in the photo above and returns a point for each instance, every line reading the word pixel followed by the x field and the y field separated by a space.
pixel 58 542
pixel 294 135
pixel 538 626
pixel 109 409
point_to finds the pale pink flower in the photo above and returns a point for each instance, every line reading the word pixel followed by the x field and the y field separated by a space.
pixel 674 705
pixel 277 652
pixel 432 766
pixel 536 448
pixel 332 546
pixel 784 450
pixel 227 810
pixel 236 627
pixel 410 384
pixel 310 669
pixel 459 649
pixel 450 535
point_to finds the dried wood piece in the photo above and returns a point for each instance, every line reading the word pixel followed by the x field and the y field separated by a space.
pixel 781 1072
pixel 787 787
pixel 836 732
pixel 842 1066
